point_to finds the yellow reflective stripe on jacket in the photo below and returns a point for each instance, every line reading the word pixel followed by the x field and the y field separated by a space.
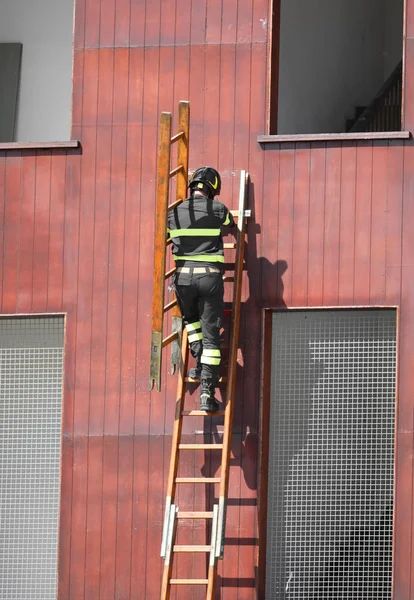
pixel 193 326
pixel 209 360
pixel 227 221
pixel 202 258
pixel 211 352
pixel 194 337
pixel 193 233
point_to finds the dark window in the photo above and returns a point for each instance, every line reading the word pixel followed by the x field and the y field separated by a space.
pixel 336 66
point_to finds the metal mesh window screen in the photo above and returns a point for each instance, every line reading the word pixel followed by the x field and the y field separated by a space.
pixel 331 461
pixel 31 369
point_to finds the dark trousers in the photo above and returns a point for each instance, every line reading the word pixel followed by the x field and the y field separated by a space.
pixel 200 298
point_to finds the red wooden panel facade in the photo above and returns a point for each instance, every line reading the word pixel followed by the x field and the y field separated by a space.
pixel 332 226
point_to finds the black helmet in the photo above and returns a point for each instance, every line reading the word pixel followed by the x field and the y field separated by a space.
pixel 206 176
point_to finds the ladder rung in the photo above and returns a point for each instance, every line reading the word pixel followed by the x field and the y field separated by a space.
pixel 196 380
pixel 228 278
pixel 170 305
pixel 170 272
pixel 176 170
pixel 247 213
pixel 189 581
pixel 197 480
pixel 177 137
pixel 191 548
pixel 195 515
pixel 174 204
pixel 229 245
pixel 170 338
pixel 200 446
pixel 200 413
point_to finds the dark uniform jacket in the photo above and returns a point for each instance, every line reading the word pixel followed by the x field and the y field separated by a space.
pixel 195 229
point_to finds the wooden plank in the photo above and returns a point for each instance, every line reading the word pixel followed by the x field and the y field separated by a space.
pixel 198 24
pixel 379 220
pixel 56 237
pixel 316 224
pixel 92 23
pixel 93 507
pixel 123 23
pixel 153 24
pixel 182 32
pixel 299 267
pixel 133 168
pixel 108 16
pixel 79 26
pixel 363 223
pixel 285 232
pixel 271 290
pixel 347 263
pixel 90 91
pixel 70 281
pixel 10 257
pixel 394 223
pixel 138 18
pixel 65 516
pixel 78 517
pixel 214 22
pixel 332 230
pixel 261 22
pixel 99 333
pixel 104 115
pixel 84 287
pixel 41 231
pixel 113 397
pixel 124 522
pixel 108 555
pixel 27 221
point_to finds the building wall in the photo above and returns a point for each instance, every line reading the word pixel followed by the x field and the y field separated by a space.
pixel 45 28
pixel 331 226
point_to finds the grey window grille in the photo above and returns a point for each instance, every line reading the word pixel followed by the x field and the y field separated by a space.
pixel 31 369
pixel 331 455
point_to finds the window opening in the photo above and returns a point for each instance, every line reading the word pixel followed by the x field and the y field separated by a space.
pixel 31 377
pixel 331 455
pixel 337 66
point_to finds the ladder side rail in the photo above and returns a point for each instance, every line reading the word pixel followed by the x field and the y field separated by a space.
pixel 232 366
pixel 163 183
pixel 168 564
pixel 176 437
pixel 181 194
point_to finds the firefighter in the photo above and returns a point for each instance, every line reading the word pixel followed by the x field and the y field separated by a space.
pixel 194 227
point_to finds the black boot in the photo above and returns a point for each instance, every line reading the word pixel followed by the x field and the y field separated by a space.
pixel 195 372
pixel 207 399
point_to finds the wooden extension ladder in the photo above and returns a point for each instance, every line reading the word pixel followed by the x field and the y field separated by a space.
pixel 173 516
pixel 165 173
